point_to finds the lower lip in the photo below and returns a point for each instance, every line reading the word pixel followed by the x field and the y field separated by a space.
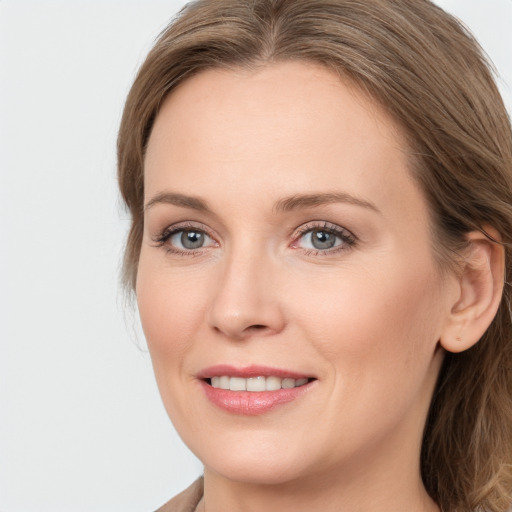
pixel 252 403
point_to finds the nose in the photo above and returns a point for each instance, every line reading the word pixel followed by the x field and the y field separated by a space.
pixel 246 301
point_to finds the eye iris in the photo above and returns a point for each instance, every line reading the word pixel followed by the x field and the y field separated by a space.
pixel 192 239
pixel 322 239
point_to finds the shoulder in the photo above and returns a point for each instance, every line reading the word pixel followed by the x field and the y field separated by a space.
pixel 185 501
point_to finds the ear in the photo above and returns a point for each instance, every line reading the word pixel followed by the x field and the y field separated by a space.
pixel 480 290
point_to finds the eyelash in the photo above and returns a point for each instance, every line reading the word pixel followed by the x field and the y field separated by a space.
pixel 348 239
pixel 161 239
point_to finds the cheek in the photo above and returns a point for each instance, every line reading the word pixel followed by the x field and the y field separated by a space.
pixel 377 332
pixel 377 321
pixel 171 307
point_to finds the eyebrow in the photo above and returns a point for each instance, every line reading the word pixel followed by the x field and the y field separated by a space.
pixel 288 204
pixel 297 202
pixel 193 203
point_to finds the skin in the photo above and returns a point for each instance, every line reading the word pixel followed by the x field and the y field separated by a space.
pixel 364 319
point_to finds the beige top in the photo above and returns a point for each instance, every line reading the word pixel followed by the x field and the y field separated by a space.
pixel 185 501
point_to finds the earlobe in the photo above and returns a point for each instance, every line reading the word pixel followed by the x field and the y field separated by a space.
pixel 480 290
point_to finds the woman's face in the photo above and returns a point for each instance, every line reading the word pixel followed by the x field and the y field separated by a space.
pixel 285 239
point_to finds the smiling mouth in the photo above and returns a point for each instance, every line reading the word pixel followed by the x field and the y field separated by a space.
pixel 253 390
pixel 256 384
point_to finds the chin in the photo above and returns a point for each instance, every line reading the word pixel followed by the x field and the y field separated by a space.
pixel 271 471
pixel 253 460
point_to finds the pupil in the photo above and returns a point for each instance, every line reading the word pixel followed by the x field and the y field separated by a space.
pixel 192 239
pixel 322 240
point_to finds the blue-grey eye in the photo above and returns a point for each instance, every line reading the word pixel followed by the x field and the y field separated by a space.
pixel 192 239
pixel 323 239
pixel 189 239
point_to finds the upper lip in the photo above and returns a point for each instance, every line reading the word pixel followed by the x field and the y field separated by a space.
pixel 250 371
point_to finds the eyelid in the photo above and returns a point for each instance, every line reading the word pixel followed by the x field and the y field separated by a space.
pixel 322 225
pixel 348 238
pixel 163 236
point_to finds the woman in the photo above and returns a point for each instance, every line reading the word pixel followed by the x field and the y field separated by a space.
pixel 321 200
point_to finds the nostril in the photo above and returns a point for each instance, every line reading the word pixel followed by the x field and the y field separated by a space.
pixel 256 328
pixel 253 329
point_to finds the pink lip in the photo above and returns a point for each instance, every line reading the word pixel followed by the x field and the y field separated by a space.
pixel 250 403
pixel 249 371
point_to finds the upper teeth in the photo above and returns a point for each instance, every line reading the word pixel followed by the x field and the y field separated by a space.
pixel 256 383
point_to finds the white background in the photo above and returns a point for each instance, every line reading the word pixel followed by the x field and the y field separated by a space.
pixel 81 423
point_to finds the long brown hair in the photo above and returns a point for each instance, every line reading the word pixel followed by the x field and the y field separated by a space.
pixel 430 74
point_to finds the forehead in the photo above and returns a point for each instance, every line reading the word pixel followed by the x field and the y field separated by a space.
pixel 277 130
pixel 267 100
